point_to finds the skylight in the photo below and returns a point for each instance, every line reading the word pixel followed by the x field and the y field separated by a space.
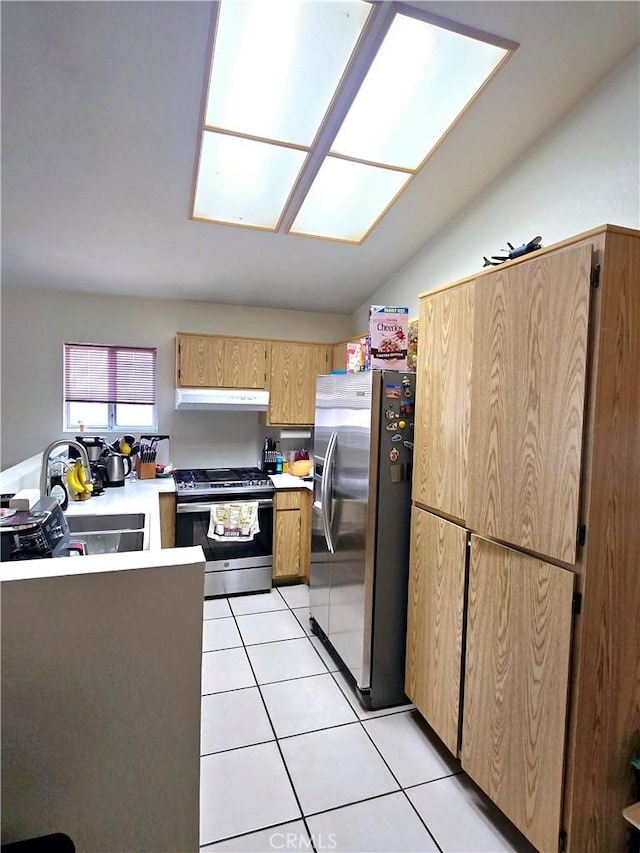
pixel 320 112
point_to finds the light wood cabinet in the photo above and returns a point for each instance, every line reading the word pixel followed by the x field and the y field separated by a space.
pixel 516 684
pixel 293 369
pixel 292 534
pixel 167 519
pixel 528 390
pixel 338 354
pixel 209 361
pixel 435 622
pixel 551 717
pixel 443 405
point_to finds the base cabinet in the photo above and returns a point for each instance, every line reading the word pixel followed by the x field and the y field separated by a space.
pixel 292 535
pixel 435 622
pixel 516 683
pixel 167 519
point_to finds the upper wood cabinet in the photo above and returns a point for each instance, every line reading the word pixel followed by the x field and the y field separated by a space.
pixel 293 370
pixel 435 622
pixel 443 401
pixel 516 685
pixel 209 361
pixel 528 396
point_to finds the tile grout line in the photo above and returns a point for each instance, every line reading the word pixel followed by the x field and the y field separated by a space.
pixel 393 775
pixel 358 720
pixel 284 763
pixel 400 786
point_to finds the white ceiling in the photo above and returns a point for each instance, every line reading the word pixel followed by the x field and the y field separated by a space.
pixel 100 121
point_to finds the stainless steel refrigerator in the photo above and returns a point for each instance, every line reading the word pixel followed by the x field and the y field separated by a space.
pixel 363 451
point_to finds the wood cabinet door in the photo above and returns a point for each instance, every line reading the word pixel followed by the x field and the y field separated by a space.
pixel 200 361
pixel 339 356
pixel 292 387
pixel 443 396
pixel 167 519
pixel 287 543
pixel 527 402
pixel 516 685
pixel 245 363
pixel 434 622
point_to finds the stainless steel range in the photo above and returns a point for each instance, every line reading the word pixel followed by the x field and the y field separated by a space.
pixel 237 560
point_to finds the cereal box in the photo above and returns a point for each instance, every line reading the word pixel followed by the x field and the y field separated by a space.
pixel 358 355
pixel 388 335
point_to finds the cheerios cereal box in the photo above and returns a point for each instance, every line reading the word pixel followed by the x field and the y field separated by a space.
pixel 388 335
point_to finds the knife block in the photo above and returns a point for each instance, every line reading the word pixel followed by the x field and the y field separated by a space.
pixel 145 470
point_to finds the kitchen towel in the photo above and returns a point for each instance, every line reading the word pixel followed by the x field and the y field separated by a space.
pixel 234 521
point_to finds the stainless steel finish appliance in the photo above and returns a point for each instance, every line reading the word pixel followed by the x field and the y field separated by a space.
pixel 363 452
pixel 112 468
pixel 231 566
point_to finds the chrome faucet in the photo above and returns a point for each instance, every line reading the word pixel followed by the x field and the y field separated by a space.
pixel 45 482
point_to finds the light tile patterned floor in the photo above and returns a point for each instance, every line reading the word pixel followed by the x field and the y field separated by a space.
pixel 290 759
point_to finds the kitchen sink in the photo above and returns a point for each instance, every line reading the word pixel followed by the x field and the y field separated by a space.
pixel 95 523
pixel 109 534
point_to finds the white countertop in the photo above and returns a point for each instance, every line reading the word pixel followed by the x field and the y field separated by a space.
pixel 125 498
pixel 288 481
pixel 134 496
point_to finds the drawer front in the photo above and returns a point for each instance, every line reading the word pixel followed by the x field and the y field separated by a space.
pixel 291 499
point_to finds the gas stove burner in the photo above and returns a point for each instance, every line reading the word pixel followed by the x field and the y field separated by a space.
pixel 214 480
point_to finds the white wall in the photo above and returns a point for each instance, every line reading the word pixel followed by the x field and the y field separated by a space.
pixel 101 701
pixel 35 324
pixel 584 173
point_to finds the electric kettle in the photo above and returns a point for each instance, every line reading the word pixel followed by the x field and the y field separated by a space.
pixel 113 468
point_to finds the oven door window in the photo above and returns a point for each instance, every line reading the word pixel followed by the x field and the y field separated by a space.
pixel 192 527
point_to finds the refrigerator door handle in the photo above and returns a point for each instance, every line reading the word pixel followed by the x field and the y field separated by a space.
pixel 325 492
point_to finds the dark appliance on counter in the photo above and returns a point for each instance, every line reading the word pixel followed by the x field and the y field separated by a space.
pixel 363 453
pixel 232 567
pixel 37 533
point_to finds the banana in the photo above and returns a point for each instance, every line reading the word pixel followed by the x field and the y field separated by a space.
pixel 82 477
pixel 77 481
pixel 73 482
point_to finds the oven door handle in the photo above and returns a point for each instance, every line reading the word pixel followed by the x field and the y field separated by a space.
pixel 193 508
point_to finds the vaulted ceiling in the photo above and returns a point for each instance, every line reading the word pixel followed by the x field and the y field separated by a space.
pixel 101 106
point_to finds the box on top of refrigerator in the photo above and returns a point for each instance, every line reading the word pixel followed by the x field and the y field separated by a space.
pixel 358 355
pixel 388 336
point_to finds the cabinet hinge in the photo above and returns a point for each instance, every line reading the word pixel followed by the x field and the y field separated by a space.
pixel 562 840
pixel 595 276
pixel 577 603
pixel 582 534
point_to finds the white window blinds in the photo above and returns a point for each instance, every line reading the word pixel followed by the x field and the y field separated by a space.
pixel 109 374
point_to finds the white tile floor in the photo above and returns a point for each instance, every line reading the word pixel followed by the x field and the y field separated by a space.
pixel 291 761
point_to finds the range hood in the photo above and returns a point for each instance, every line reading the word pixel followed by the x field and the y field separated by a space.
pixel 222 399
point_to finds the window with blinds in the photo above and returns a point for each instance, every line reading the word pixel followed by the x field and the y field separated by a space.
pixel 109 387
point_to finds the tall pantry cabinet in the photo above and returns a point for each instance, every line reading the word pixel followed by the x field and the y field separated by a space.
pixel 523 641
